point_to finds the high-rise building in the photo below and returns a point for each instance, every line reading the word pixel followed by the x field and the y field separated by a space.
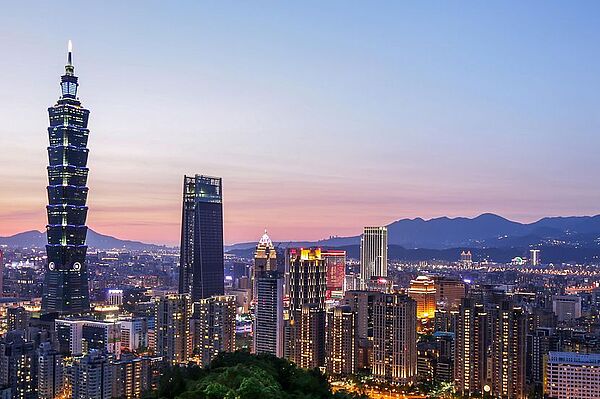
pixel 444 364
pixel 566 307
pixel 172 338
pixel 134 333
pixel 361 303
pixel 51 372
pixel 311 337
pixel 18 370
pixel 373 254
pixel 91 377
pixel 449 292
pixel 17 318
pixel 540 342
pixel 265 259
pixel 213 327
pixel 335 263
pixel 78 337
pixel 423 291
pixel 472 341
pixel 341 343
pixel 534 257
pixel 572 375
pixel 394 339
pixel 201 272
pixel 1 273
pixel 65 288
pixel 306 284
pixel 509 330
pixel 132 376
pixel 268 317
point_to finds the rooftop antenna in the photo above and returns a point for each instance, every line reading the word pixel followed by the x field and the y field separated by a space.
pixel 70 48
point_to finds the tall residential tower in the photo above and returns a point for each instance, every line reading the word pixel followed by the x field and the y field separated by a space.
pixel 66 280
pixel 373 254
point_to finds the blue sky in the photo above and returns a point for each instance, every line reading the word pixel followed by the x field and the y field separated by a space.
pixel 321 117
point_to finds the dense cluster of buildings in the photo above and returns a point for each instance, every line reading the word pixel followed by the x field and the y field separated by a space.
pixel 106 325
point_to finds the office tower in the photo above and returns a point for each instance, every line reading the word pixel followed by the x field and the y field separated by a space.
pixel 91 377
pixel 466 259
pixel 373 254
pixel 18 370
pixel 509 329
pixel 471 348
pixel 394 339
pixel 341 341
pixel 566 307
pixel 335 263
pixel 306 283
pixel 423 291
pixel 114 297
pixel 449 292
pixel 572 375
pixel 268 316
pixel 361 303
pixel 534 257
pixel 213 327
pixel 265 259
pixel 51 373
pixel 134 333
pixel 172 328
pixel 65 287
pixel 311 337
pixel 201 267
pixel 17 318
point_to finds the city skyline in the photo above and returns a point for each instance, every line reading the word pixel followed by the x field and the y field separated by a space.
pixel 507 126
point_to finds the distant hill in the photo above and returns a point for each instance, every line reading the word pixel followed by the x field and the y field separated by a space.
pixel 36 239
pixel 484 231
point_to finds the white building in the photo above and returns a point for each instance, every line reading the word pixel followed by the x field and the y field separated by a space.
pixel 134 333
pixel 268 320
pixel 570 375
pixel 373 254
pixel 115 297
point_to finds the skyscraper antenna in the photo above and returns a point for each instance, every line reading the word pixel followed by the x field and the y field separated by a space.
pixel 70 48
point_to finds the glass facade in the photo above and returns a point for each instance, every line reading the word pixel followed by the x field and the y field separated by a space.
pixel 66 280
pixel 201 265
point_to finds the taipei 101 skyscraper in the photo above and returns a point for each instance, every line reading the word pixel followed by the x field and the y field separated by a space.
pixel 66 281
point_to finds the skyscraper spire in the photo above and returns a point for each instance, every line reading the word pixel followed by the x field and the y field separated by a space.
pixel 70 49
pixel 69 68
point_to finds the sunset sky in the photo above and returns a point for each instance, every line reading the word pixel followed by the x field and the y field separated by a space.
pixel 321 117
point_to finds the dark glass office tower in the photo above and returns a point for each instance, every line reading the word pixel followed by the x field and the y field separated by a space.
pixel 201 264
pixel 66 280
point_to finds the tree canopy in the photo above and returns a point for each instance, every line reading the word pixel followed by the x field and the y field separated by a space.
pixel 241 375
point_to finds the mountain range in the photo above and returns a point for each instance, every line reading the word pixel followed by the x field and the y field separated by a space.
pixel 484 231
pixel 36 239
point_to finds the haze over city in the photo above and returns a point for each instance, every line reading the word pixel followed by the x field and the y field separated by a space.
pixel 321 119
